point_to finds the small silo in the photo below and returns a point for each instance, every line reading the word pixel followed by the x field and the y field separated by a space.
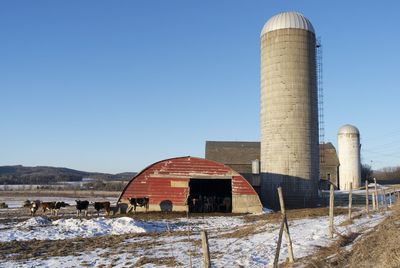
pixel 289 111
pixel 349 157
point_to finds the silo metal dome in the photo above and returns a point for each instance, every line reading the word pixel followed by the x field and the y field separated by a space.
pixel 349 129
pixel 286 20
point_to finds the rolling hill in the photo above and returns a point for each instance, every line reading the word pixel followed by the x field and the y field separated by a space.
pixel 48 175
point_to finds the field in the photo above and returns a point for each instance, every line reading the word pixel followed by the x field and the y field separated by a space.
pixel 173 239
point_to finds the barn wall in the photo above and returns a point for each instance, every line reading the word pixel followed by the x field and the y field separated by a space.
pixel 244 198
pixel 246 204
pixel 160 191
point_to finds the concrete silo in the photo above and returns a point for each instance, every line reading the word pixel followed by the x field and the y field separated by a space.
pixel 289 111
pixel 349 157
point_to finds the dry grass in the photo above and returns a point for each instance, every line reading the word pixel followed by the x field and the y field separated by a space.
pixel 42 249
pixel 295 214
pixel 259 223
pixel 379 247
pixel 245 231
pixel 167 261
pixel 23 250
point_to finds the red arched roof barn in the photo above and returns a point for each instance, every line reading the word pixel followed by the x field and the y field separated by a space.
pixel 194 184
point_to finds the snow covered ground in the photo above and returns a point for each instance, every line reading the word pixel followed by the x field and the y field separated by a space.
pixel 255 249
pixel 42 228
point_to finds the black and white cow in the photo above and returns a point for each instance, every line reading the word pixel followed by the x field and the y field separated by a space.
pixel 58 206
pixel 33 206
pixel 138 202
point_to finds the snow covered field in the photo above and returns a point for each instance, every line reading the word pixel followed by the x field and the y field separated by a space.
pixel 234 240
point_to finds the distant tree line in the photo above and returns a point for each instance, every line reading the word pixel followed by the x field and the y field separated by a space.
pixel 388 174
pixel 36 179
pixel 366 172
pixel 11 175
pixel 106 186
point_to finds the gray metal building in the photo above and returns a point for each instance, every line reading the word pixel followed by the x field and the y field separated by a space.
pixel 328 166
pixel 239 155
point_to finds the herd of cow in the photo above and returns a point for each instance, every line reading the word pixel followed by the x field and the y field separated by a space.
pixel 54 207
pixel 196 204
pixel 82 206
pixel 207 204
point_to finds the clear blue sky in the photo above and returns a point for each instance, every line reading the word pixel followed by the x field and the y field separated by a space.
pixel 114 86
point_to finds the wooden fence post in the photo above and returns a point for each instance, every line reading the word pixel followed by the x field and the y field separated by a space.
pixel 331 205
pixel 350 199
pixel 206 249
pixel 384 198
pixel 190 240
pixel 278 245
pixel 376 195
pixel 366 197
pixel 373 201
pixel 286 226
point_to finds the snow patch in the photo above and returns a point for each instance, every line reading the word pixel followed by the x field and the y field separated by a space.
pixel 267 210
pixel 34 222
pixel 42 228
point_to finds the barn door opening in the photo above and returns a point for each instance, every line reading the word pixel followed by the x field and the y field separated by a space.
pixel 210 195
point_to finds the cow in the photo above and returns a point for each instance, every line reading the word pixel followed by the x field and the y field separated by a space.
pixel 115 209
pixel 32 205
pixel 209 204
pixel 194 203
pixel 48 206
pixel 27 204
pixel 138 202
pixel 228 204
pixel 102 205
pixel 58 206
pixel 81 205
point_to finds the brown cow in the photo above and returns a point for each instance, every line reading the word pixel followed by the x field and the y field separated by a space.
pixel 32 205
pixel 102 205
pixel 48 206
